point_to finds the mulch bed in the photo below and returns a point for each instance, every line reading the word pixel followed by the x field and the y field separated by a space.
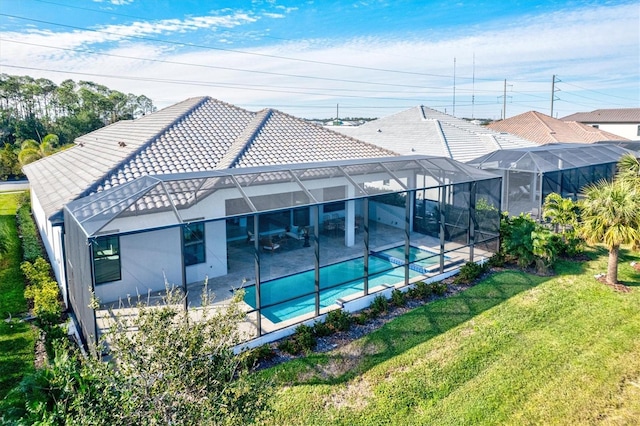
pixel 618 287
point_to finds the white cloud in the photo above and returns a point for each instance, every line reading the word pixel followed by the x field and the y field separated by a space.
pixel 595 48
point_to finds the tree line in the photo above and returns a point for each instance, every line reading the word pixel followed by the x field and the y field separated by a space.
pixel 41 117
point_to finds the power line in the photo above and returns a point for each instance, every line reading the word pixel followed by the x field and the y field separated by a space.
pixel 222 49
pixel 200 83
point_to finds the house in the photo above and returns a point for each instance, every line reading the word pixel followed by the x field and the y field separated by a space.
pixel 542 129
pixel 197 134
pixel 425 131
pixel 624 122
pixel 304 219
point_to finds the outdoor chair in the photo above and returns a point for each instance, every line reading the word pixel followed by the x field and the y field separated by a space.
pixel 269 245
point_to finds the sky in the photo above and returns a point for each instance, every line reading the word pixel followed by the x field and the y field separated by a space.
pixel 349 58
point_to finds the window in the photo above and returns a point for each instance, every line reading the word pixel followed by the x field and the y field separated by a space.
pixel 595 126
pixel 638 132
pixel 193 238
pixel 106 259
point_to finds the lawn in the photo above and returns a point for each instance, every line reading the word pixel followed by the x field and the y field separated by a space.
pixel 514 349
pixel 16 338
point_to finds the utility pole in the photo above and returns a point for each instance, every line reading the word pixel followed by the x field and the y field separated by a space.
pixel 454 87
pixel 504 100
pixel 553 93
pixel 554 80
pixel 473 86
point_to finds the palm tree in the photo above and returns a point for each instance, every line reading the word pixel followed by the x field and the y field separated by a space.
pixel 629 170
pixel 611 215
pixel 31 150
pixel 562 212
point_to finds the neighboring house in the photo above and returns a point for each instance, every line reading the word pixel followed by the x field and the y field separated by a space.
pixel 425 131
pixel 624 122
pixel 542 129
pixel 304 219
pixel 197 134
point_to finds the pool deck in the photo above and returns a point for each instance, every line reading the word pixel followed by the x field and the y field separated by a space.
pixel 291 259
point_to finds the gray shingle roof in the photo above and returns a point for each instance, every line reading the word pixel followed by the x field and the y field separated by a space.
pixel 197 134
pixel 425 131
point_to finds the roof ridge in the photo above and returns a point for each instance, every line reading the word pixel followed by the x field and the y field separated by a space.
pixel 239 145
pixel 99 182
pixel 443 137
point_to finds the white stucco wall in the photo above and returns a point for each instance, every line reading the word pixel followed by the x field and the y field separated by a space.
pixel 145 259
pixel 629 131
pixel 52 240
pixel 215 264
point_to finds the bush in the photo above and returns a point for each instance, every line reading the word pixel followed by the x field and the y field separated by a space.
pixel 253 357
pixel 439 288
pixel 497 260
pixel 338 320
pixel 379 305
pixel 31 248
pixel 303 340
pixel 420 290
pixel 360 318
pixel 43 291
pixel 469 272
pixel 321 329
pixel 398 298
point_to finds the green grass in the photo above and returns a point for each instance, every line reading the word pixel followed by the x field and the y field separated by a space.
pixel 17 338
pixel 514 349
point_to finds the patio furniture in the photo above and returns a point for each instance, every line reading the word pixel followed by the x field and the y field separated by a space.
pixel 269 245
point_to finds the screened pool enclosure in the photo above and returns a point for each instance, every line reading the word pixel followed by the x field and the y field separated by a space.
pixel 530 174
pixel 300 240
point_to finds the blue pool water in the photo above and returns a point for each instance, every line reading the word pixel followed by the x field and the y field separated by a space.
pixel 420 260
pixel 291 296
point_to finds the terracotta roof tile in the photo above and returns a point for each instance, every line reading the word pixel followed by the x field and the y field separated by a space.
pixel 619 115
pixel 543 129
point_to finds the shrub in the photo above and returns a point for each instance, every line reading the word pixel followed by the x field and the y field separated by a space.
pixel 379 305
pixel 303 340
pixel 360 318
pixel 421 290
pixel 31 248
pixel 573 244
pixel 338 320
pixel 43 291
pixel 253 357
pixel 439 288
pixel 321 329
pixel 398 298
pixel 496 260
pixel 469 272
pixel 517 243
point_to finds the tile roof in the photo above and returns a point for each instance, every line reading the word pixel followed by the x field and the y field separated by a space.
pixel 543 129
pixel 619 115
pixel 197 134
pixel 425 131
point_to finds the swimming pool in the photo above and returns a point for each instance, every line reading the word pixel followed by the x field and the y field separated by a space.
pixel 288 297
pixel 421 260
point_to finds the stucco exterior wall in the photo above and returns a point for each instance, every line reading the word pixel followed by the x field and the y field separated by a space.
pixel 52 240
pixel 145 260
